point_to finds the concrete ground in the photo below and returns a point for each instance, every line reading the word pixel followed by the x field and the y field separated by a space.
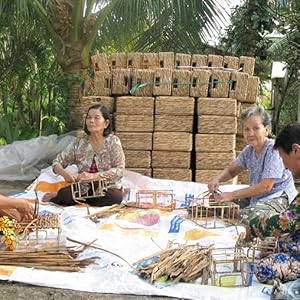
pixel 14 290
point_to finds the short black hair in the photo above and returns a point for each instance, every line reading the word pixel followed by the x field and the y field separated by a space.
pixel 288 136
pixel 106 115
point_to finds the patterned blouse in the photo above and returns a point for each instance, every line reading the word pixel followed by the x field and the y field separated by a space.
pixel 287 221
pixel 109 158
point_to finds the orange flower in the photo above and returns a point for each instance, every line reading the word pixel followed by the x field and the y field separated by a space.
pixel 284 222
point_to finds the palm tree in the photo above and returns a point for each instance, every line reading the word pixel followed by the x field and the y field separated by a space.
pixel 74 25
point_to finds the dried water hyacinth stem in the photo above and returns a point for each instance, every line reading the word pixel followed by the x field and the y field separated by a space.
pixel 184 263
pixel 58 260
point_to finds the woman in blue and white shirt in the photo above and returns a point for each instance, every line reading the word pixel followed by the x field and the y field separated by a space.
pixel 271 184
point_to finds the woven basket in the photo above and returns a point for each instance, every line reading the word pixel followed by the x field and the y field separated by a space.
pixel 244 106
pixel 231 62
pixel 118 60
pixel 174 106
pixel 166 60
pixel 217 106
pixel 140 76
pixel 252 91
pixel 181 83
pixel 99 62
pixel 162 82
pixel 133 123
pixel 137 159
pixel 150 61
pixel 135 60
pixel 135 140
pixel 120 81
pixel 173 174
pixel 166 159
pixel 247 64
pixel 198 60
pixel 243 177
pixel 239 86
pixel 182 60
pixel 102 83
pixel 177 141
pixel 214 142
pixel 217 124
pixel 200 81
pixel 215 60
pixel 213 160
pixel 219 87
pixel 135 105
pixel 240 143
pixel 205 176
pixel 173 123
pixel 142 171
pixel 108 102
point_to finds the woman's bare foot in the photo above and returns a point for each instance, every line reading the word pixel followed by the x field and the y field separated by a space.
pixel 48 196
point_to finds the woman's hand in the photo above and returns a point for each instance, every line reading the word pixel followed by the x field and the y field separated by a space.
pixel 213 186
pixel 224 197
pixel 86 176
pixel 69 176
pixel 24 208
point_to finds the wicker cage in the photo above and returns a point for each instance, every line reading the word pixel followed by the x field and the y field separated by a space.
pixel 118 60
pixel 200 81
pixel 213 160
pixel 205 176
pixel 214 142
pixel 174 106
pixel 135 60
pixel 142 171
pixel 166 159
pixel 99 62
pixel 137 159
pixel 120 81
pixel 177 141
pixel 231 62
pixel 252 91
pixel 173 174
pixel 247 64
pixel 181 82
pixel 182 60
pixel 102 83
pixel 215 60
pixel 150 61
pixel 173 123
pixel 140 123
pixel 108 102
pixel 239 85
pixel 166 60
pixel 199 60
pixel 162 82
pixel 135 140
pixel 219 87
pixel 135 105
pixel 217 106
pixel 217 124
pixel 146 77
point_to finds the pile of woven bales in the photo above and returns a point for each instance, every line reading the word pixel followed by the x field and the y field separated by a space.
pixel 177 115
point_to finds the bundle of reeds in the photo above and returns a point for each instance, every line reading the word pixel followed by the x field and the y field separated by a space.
pixel 48 260
pixel 183 263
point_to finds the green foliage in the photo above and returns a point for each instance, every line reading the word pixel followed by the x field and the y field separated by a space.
pixel 52 124
pixel 11 129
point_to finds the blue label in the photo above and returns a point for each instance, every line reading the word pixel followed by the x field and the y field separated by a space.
pixel 175 224
pixel 187 200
